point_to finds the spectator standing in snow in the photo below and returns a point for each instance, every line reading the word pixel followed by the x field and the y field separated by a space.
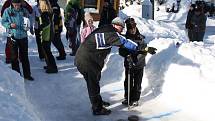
pixel 74 15
pixel 58 28
pixel 108 14
pixel 90 57
pixel 138 60
pixel 14 18
pixel 36 16
pixel 46 26
pixel 188 24
pixel 198 22
pixel 71 29
pixel 88 28
pixel 7 46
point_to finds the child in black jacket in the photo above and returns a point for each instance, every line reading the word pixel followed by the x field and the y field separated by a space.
pixel 138 63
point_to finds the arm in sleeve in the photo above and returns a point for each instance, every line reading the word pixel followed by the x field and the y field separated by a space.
pixel 127 43
pixel 83 35
pixel 6 20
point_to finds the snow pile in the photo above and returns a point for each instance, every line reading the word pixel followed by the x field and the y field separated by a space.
pixel 14 104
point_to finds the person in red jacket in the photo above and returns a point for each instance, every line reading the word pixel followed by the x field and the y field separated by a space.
pixel 7 46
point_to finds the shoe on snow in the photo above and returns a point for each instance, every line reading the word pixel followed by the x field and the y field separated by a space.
pixel 49 71
pixel 7 61
pixel 29 78
pixel 45 67
pixel 135 103
pixel 101 111
pixel 72 54
pixel 61 57
pixel 133 118
pixel 125 102
pixel 105 104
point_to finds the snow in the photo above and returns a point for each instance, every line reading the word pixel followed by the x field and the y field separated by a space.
pixel 178 83
pixel 13 101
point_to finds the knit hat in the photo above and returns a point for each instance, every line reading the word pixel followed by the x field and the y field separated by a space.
pixel 16 1
pixel 87 17
pixel 118 21
pixel 130 23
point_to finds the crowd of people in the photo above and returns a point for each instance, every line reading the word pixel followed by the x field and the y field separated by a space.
pixel 90 45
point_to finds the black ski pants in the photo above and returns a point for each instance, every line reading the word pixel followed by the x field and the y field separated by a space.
pixel 49 58
pixel 136 76
pixel 39 43
pixel 58 44
pixel 92 75
pixel 19 47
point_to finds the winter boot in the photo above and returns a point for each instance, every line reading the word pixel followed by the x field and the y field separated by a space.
pixel 7 61
pixel 51 70
pixel 101 111
pixel 29 78
pixel 125 102
pixel 60 57
pixel 105 104
pixel 45 67
pixel 72 54
pixel 135 103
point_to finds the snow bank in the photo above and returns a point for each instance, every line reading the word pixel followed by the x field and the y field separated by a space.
pixel 13 102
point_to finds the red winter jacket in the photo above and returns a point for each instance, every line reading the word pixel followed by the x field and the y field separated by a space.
pixel 8 3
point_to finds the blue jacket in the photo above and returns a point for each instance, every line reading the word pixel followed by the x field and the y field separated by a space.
pixel 16 16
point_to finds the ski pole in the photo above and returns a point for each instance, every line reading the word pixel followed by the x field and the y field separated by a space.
pixel 129 88
pixel 129 59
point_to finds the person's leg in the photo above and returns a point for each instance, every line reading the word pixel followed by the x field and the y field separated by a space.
pixel 136 90
pixel 78 37
pixel 39 44
pixel 92 77
pixel 7 50
pixel 126 84
pixel 60 47
pixel 194 38
pixel 49 58
pixel 200 36
pixel 127 76
pixel 190 36
pixel 23 53
pixel 72 40
pixel 14 55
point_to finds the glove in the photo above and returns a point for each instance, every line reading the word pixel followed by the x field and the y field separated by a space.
pixel 123 52
pixel 151 50
pixel 32 30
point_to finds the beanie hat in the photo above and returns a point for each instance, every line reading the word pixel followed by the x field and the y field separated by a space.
pixel 130 23
pixel 118 21
pixel 87 17
pixel 16 1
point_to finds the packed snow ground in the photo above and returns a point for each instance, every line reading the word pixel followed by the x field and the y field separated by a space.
pixel 178 83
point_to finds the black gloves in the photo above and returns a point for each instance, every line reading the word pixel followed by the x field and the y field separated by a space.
pixel 151 50
pixel 123 52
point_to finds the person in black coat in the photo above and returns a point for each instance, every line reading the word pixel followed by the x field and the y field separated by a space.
pixel 90 57
pixel 188 24
pixel 58 28
pixel 198 21
pixel 47 31
pixel 138 63
pixel 108 14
